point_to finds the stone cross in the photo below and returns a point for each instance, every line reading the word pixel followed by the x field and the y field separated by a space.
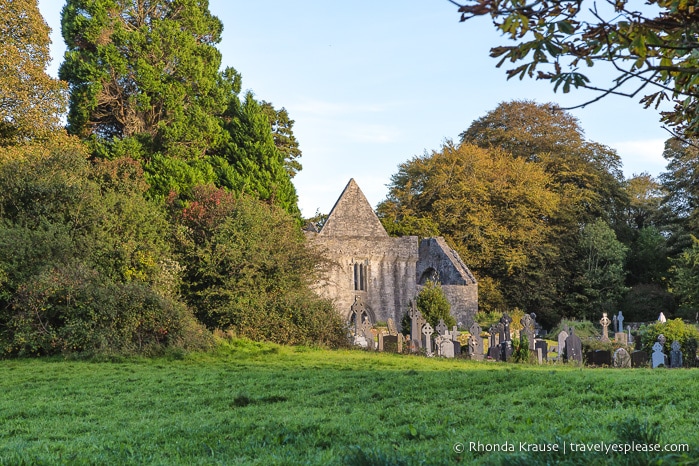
pixel 605 324
pixel 441 327
pixel 416 321
pixel 620 322
pixel 427 330
pixel 630 339
pixel 662 339
pixel 357 310
pixel 455 333
pixel 658 357
pixel 676 355
pixel 475 342
pixel 528 329
pixel 505 320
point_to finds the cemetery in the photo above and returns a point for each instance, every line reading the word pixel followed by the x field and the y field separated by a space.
pixel 501 344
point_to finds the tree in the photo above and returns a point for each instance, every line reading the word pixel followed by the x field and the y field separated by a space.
pixel 31 102
pixel 144 76
pixel 248 269
pixel 655 46
pixel 493 208
pixel 601 286
pixel 433 304
pixel 585 177
pixel 84 262
pixel 145 83
pixel 284 139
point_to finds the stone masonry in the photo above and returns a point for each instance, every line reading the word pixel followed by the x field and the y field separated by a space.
pixel 384 272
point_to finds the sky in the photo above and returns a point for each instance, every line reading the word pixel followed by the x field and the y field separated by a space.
pixel 371 84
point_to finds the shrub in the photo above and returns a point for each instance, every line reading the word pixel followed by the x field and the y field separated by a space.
pixel 74 309
pixel 433 304
pixel 674 329
pixel 248 269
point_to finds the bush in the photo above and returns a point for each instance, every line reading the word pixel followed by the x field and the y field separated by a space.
pixel 675 329
pixel 248 269
pixel 74 309
pixel 433 304
pixel 643 303
pixel 84 260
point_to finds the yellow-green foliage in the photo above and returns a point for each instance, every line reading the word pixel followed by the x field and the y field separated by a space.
pixel 673 329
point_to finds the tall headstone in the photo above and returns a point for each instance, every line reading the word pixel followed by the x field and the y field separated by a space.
pixel 427 330
pixel 562 336
pixel 441 327
pixel 620 322
pixel 543 347
pixel 505 320
pixel 605 326
pixel 676 355
pixel 574 348
pixel 528 330
pixel 494 347
pixel 658 357
pixel 622 359
pixel 475 343
pixel 358 311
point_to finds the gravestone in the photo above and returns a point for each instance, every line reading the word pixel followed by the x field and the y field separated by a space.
pixel 457 348
pixel 505 350
pixel 676 355
pixel 427 330
pixel 455 333
pixel 544 347
pixel 620 322
pixel 413 346
pixel 562 345
pixel 605 325
pixel 602 358
pixel 658 357
pixel 621 337
pixel 493 340
pixel 441 327
pixel 505 320
pixel 662 340
pixel 390 343
pixel 368 335
pixel 629 338
pixel 622 358
pixel 445 346
pixel 391 324
pixel 475 343
pixel 416 323
pixel 358 312
pixel 528 330
pixel 573 348
pixel 639 358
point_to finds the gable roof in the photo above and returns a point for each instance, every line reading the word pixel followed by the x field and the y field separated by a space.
pixel 352 215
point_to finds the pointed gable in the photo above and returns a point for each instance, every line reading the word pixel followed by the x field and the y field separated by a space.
pixel 352 215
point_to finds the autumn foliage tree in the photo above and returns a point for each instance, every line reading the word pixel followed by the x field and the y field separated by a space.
pixel 31 102
pixel 492 207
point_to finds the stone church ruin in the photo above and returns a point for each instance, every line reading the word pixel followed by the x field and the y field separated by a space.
pixel 383 273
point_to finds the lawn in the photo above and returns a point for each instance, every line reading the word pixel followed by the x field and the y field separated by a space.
pixel 251 403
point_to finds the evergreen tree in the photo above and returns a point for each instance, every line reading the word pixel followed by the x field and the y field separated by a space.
pixel 144 76
pixel 284 139
pixel 145 83
pixel 31 102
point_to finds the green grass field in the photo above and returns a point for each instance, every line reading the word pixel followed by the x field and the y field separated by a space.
pixel 252 403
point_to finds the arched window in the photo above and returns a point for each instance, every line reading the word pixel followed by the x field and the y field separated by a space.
pixel 360 276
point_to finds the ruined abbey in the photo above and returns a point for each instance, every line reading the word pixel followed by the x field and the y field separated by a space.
pixel 386 273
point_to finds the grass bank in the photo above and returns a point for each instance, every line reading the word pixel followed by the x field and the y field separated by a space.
pixel 252 403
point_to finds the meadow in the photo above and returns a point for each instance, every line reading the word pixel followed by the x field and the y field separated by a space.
pixel 254 403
